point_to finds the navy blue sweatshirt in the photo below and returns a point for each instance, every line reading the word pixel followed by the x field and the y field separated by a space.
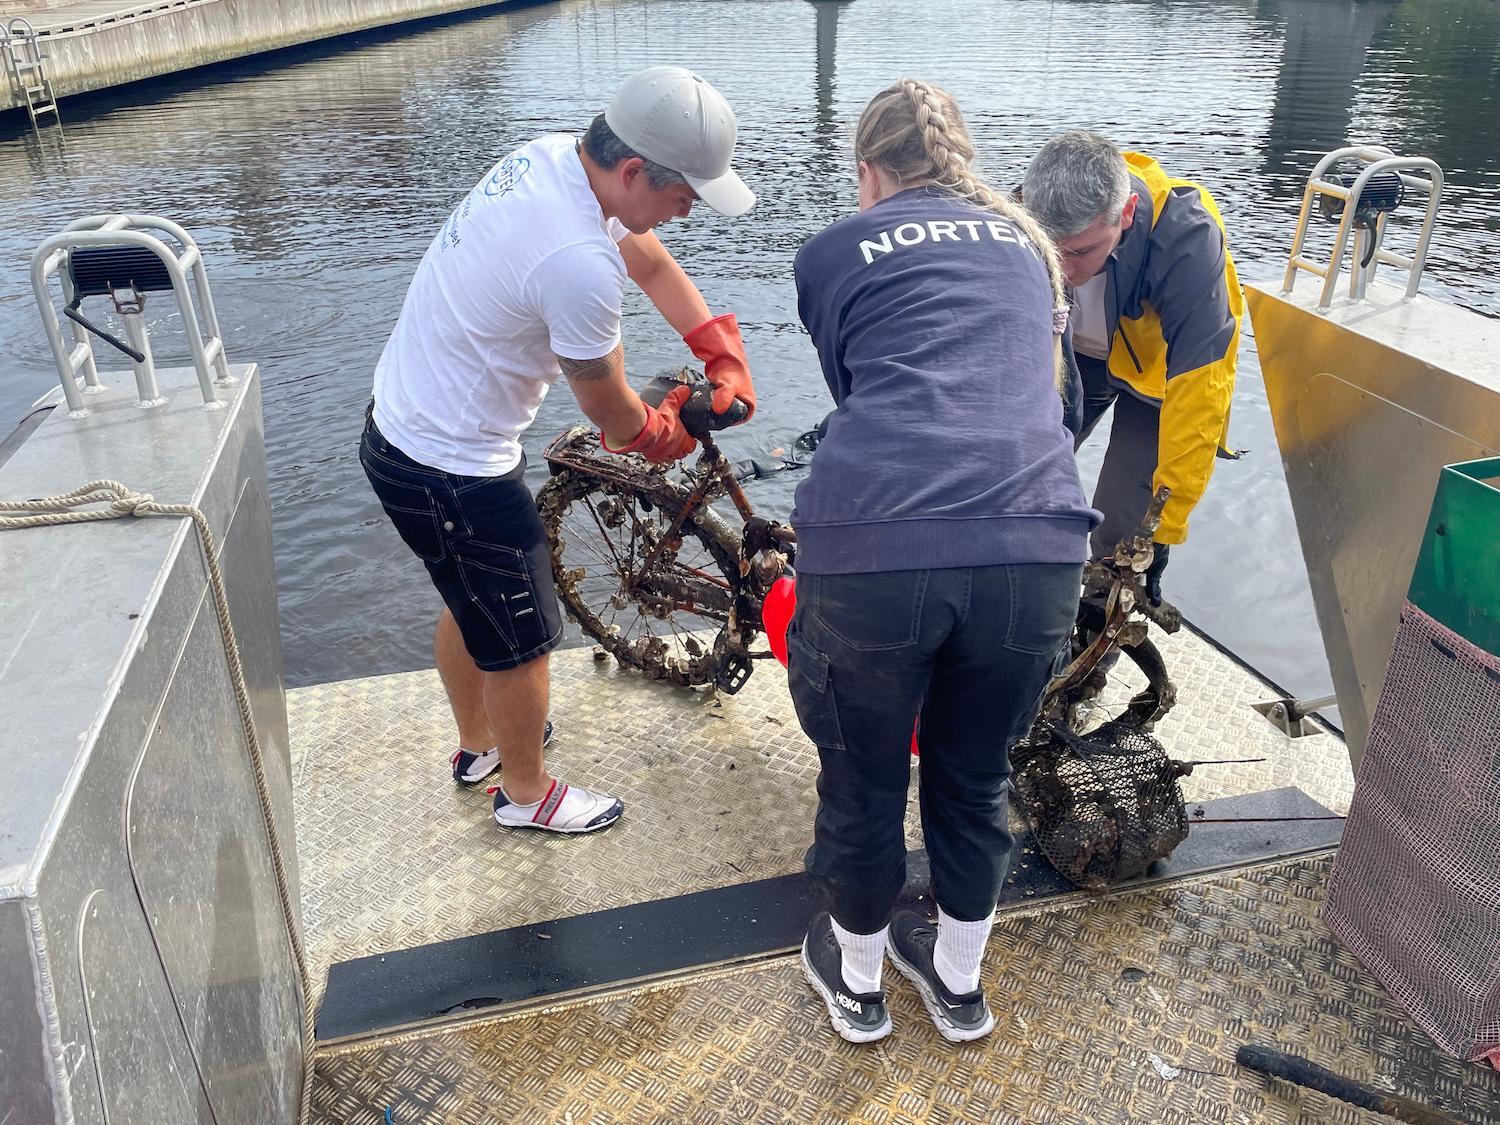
pixel 933 323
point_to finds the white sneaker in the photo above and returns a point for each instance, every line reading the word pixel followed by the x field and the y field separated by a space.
pixel 470 768
pixel 565 808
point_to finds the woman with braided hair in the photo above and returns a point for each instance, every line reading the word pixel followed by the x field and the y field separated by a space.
pixel 941 537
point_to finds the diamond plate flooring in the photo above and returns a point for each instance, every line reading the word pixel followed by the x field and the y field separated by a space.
pixel 1122 1009
pixel 718 790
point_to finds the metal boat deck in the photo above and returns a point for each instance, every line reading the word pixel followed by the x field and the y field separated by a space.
pixel 1122 1009
pixel 399 864
pixel 718 790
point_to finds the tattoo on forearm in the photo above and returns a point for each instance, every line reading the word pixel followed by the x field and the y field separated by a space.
pixel 589 370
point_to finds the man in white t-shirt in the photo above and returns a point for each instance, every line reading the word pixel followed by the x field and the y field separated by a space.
pixel 524 283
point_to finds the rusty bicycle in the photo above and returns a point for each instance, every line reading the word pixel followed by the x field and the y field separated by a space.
pixel 644 563
pixel 664 583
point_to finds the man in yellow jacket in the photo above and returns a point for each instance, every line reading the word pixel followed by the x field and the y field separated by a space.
pixel 1155 325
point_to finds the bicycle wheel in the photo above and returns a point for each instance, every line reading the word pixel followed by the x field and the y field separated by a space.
pixel 677 621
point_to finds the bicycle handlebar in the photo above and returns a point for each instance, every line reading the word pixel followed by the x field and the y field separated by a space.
pixel 699 419
pixel 697 415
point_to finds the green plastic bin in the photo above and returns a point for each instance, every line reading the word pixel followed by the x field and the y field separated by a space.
pixel 1457 577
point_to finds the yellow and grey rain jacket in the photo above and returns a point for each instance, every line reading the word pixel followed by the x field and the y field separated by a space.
pixel 1173 306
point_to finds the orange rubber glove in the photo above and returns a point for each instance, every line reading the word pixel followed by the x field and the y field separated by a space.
pixel 662 438
pixel 717 343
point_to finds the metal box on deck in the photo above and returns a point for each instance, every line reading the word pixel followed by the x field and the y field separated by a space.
pixel 145 971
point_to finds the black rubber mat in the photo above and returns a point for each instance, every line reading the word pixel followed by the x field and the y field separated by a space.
pixel 664 936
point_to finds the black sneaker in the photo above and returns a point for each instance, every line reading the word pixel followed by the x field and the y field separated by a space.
pixel 858 1017
pixel 959 1018
pixel 471 769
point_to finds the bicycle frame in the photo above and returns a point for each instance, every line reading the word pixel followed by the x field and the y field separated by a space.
pixel 712 475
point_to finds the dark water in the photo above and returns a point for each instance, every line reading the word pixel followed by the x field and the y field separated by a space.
pixel 315 179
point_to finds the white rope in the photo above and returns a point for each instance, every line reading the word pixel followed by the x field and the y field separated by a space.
pixel 71 508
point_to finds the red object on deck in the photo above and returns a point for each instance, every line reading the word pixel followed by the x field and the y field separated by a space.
pixel 776 615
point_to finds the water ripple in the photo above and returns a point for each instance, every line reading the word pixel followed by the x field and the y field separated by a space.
pixel 315 179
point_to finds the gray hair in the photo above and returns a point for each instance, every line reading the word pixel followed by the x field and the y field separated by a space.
pixel 1074 179
pixel 607 150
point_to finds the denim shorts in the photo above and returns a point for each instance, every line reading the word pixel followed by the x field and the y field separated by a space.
pixel 484 546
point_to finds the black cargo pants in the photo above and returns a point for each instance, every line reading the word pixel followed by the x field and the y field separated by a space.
pixel 972 649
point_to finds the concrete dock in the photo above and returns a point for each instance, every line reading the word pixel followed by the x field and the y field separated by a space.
pixel 94 44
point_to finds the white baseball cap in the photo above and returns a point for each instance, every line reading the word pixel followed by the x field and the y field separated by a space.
pixel 673 117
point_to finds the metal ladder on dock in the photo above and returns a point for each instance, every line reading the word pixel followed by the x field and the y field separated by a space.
pixel 24 62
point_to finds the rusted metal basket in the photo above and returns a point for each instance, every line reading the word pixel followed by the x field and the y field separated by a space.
pixel 1103 806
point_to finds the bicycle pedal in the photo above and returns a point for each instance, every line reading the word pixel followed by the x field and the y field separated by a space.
pixel 734 672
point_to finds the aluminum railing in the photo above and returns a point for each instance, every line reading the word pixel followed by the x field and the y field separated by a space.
pixel 1367 226
pixel 205 343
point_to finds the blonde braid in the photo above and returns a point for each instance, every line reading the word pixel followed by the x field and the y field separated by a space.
pixel 946 148
pixel 951 153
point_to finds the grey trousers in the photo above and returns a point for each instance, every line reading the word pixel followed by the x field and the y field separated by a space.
pixel 1124 490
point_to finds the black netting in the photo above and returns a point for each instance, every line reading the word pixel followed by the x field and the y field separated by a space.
pixel 1102 806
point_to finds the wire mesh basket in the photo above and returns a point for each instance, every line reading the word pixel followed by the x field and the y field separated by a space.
pixel 1103 806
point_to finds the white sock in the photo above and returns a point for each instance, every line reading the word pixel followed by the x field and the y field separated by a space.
pixel 960 946
pixel 863 956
